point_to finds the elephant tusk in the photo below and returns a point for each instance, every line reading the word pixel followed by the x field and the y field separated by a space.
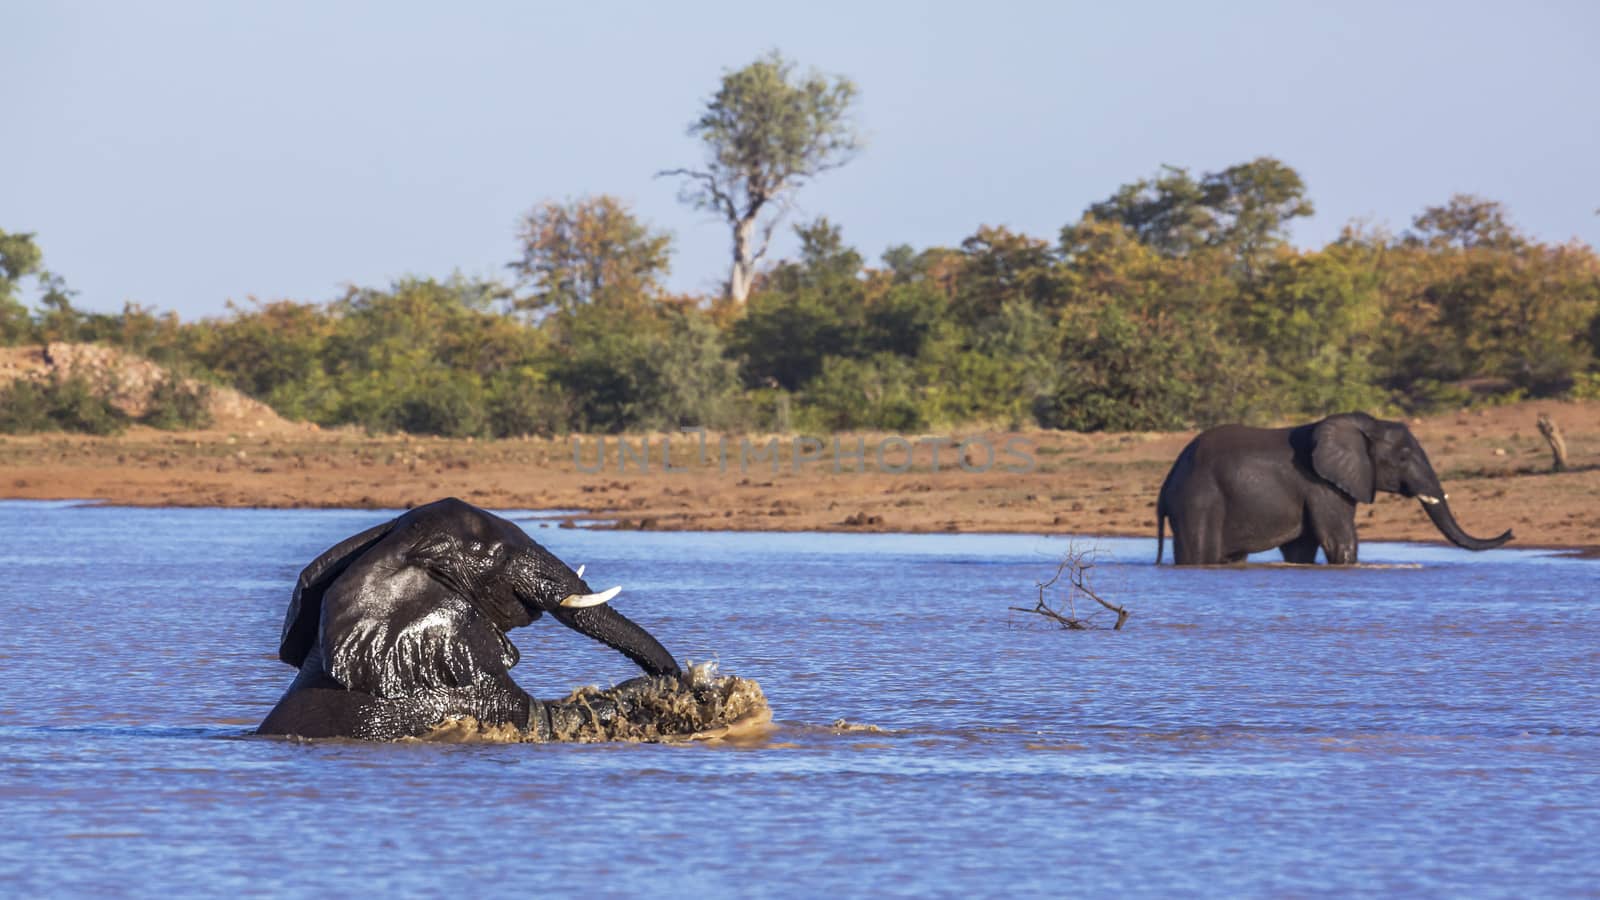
pixel 1427 499
pixel 580 570
pixel 582 600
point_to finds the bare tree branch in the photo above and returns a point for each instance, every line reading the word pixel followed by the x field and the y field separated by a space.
pixel 720 200
pixel 1076 567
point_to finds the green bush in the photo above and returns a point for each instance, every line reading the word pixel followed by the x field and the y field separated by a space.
pixel 440 403
pixel 177 405
pixel 644 369
pixel 784 337
pixel 852 394
pixel 1427 395
pixel 25 407
pixel 521 404
pixel 1175 303
pixel 1118 374
pixel 70 405
pixel 696 382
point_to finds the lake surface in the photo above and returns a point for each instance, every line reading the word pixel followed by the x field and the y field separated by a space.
pixel 1427 729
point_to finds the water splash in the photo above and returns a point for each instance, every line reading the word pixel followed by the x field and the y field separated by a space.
pixel 702 706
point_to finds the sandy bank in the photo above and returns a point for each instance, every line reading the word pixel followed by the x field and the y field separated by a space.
pixel 1494 463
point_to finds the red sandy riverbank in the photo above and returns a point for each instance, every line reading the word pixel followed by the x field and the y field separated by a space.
pixel 1493 461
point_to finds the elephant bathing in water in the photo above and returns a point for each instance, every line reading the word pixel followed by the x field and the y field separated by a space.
pixel 1236 490
pixel 402 627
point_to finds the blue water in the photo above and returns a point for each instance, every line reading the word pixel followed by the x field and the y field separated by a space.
pixel 1430 729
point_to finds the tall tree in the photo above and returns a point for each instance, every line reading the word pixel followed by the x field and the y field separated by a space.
pixel 1465 221
pixel 590 250
pixel 19 258
pixel 1168 212
pixel 1244 209
pixel 1253 203
pixel 766 132
pixel 1000 266
pixel 58 320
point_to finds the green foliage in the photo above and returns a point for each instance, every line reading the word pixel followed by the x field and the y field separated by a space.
pixel 874 393
pixel 1501 310
pixel 1117 376
pixel 1586 386
pixel 19 258
pixel 806 311
pixel 58 320
pixel 1253 203
pixel 266 348
pixel 784 337
pixel 1177 302
pixel 589 251
pixel 1001 267
pixel 903 319
pixel 1245 210
pixel 70 404
pixel 1314 317
pixel 766 132
pixel 697 382
pixel 1169 212
pixel 177 404
pixel 16 325
pixel 523 402
pixel 26 407
pixel 1464 222
pixel 416 358
pixel 995 373
pixel 648 369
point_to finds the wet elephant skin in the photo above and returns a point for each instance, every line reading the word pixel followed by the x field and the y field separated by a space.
pixel 403 626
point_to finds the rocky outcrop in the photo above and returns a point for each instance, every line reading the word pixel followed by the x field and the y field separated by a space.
pixel 128 380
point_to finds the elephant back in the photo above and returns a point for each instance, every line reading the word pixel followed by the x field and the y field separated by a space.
pixel 304 617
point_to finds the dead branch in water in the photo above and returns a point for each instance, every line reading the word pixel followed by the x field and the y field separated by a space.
pixel 1558 445
pixel 1076 568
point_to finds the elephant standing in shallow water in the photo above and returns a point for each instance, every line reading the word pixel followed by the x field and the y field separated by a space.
pixel 402 627
pixel 1236 490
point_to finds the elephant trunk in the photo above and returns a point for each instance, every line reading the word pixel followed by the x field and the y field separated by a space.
pixel 1438 509
pixel 620 633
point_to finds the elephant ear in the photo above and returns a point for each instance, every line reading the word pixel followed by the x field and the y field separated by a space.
pixel 1340 453
pixel 305 607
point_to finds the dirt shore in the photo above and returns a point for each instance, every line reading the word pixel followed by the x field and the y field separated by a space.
pixel 1494 462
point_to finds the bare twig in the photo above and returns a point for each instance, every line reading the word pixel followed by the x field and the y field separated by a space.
pixel 1075 566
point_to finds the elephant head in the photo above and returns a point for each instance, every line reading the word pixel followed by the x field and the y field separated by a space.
pixel 542 583
pixel 392 607
pixel 1361 455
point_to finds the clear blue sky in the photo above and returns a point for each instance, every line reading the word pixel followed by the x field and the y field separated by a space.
pixel 181 154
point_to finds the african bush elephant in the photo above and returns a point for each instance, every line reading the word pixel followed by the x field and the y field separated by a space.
pixel 403 626
pixel 1236 490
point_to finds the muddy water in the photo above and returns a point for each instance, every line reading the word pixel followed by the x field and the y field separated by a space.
pixel 1430 727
